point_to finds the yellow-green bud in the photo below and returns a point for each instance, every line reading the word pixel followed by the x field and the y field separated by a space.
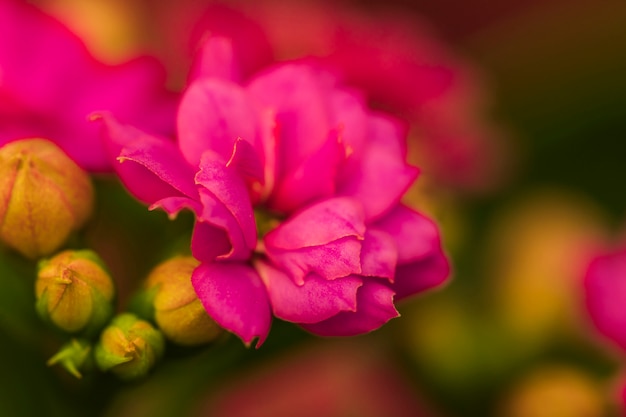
pixel 44 196
pixel 74 291
pixel 129 347
pixel 74 356
pixel 177 309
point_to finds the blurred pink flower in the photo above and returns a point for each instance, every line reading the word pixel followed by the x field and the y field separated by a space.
pixel 331 245
pixel 50 83
pixel 393 56
pixel 605 288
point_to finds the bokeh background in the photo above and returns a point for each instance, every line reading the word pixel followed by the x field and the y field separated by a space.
pixel 508 336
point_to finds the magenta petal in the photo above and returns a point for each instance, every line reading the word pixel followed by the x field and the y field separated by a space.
pixel 379 175
pixel 605 287
pixel 210 242
pixel 379 255
pixel 313 180
pixel 151 168
pixel 419 276
pixel 416 236
pixel 374 308
pixel 348 114
pixel 226 204
pixel 235 297
pixel 246 161
pixel 173 205
pixel 318 299
pixel 213 113
pixel 215 59
pixel 319 224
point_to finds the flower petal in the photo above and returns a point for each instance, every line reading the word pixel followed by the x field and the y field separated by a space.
pixel 151 168
pixel 213 113
pixel 235 297
pixel 416 236
pixel 374 308
pixel 605 292
pixel 210 242
pixel 378 175
pixel 379 255
pixel 215 59
pixel 318 299
pixel 173 205
pixel 313 180
pixel 421 275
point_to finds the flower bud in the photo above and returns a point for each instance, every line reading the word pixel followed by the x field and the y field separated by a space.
pixel 74 291
pixel 44 196
pixel 177 309
pixel 129 347
pixel 74 356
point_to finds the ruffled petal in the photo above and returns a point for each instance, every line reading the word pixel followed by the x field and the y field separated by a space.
pixel 226 204
pixel 215 59
pixel 318 299
pixel 374 308
pixel 605 295
pixel 151 168
pixel 378 175
pixel 416 236
pixel 324 238
pixel 173 205
pixel 210 242
pixel 213 113
pixel 419 276
pixel 313 180
pixel 235 297
pixel 379 255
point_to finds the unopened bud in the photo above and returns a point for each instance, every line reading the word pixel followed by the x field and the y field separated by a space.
pixel 44 196
pixel 129 347
pixel 74 356
pixel 177 309
pixel 74 291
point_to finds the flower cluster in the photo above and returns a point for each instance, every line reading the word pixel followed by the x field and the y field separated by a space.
pixel 296 186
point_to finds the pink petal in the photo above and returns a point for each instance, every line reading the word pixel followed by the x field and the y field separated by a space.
pixel 318 299
pixel 151 168
pixel 296 95
pixel 421 275
pixel 235 297
pixel 605 286
pixel 374 308
pixel 226 204
pixel 416 236
pixel 246 161
pixel 215 59
pixel 313 180
pixel 379 255
pixel 213 113
pixel 349 115
pixel 210 242
pixel 378 175
pixel 173 205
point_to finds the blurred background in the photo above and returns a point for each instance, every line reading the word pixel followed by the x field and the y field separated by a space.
pixel 539 118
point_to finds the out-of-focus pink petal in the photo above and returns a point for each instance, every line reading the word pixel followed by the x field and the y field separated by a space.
pixel 246 161
pixel 426 273
pixel 213 113
pixel 324 238
pixel 379 175
pixel 296 95
pixel 226 204
pixel 348 114
pixel 605 287
pixel 416 236
pixel 210 242
pixel 379 255
pixel 374 308
pixel 215 59
pixel 235 297
pixel 313 180
pixel 319 224
pixel 151 168
pixel 316 300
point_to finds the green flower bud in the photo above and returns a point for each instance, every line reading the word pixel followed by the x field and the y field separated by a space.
pixel 74 291
pixel 44 196
pixel 177 309
pixel 129 347
pixel 74 356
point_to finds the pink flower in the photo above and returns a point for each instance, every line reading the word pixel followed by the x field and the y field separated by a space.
pixel 605 288
pixel 296 187
pixel 50 83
